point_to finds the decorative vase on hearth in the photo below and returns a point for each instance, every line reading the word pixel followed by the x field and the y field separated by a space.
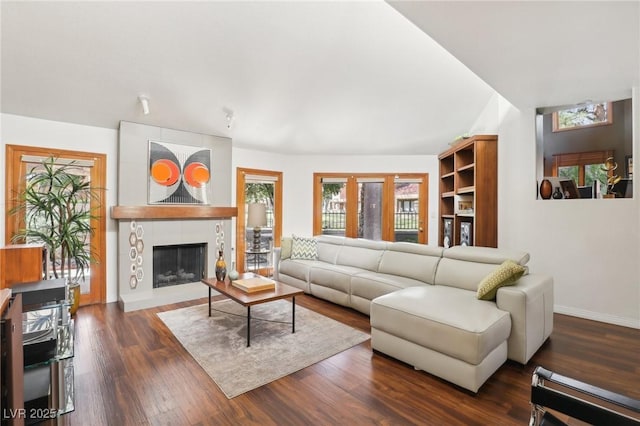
pixel 233 274
pixel 221 267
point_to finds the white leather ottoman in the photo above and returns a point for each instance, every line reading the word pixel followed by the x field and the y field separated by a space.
pixel 443 330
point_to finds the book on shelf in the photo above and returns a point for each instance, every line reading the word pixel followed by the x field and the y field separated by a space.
pixel 256 283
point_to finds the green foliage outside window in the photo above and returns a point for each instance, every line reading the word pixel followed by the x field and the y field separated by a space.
pixel 592 173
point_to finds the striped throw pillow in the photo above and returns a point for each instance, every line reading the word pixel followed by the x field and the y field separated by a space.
pixel 304 248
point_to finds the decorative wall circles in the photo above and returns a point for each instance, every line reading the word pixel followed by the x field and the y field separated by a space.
pixel 220 236
pixel 135 254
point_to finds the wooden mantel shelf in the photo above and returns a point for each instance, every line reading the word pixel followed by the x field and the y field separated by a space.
pixel 173 212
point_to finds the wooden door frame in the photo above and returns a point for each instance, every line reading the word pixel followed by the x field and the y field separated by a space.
pixel 240 204
pixel 388 207
pixel 13 181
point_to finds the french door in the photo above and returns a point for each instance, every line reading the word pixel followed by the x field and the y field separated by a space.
pixel 21 159
pixel 389 207
pixel 255 252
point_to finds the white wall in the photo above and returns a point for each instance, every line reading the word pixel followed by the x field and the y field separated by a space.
pixel 18 130
pixel 590 247
pixel 298 173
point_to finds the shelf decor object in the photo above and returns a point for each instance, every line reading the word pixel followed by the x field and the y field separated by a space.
pixel 469 192
pixel 546 189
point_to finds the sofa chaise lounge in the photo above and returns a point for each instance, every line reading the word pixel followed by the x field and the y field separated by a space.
pixel 422 301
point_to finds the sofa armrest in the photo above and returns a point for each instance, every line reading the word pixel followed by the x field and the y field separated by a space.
pixel 530 303
pixel 276 262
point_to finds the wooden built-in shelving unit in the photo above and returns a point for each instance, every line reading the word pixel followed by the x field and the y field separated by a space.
pixel 469 190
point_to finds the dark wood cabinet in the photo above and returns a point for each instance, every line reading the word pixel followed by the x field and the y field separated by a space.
pixel 11 361
pixel 469 193
pixel 21 263
pixel 36 354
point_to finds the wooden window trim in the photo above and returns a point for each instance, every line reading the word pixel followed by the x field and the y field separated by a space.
pixel 241 174
pixel 14 183
pixel 555 122
pixel 388 207
pixel 580 159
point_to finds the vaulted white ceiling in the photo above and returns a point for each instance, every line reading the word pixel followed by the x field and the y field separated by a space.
pixel 540 53
pixel 311 77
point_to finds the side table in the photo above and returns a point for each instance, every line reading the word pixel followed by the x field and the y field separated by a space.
pixel 256 258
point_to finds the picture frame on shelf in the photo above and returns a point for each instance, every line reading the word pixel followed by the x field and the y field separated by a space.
pixel 629 165
pixel 447 232
pixel 466 235
pixel 569 188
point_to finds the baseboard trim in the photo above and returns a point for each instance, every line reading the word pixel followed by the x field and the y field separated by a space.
pixel 597 316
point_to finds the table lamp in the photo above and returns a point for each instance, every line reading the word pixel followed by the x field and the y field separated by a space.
pixel 256 218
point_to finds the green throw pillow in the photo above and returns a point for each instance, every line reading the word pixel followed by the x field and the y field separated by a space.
pixel 506 274
pixel 285 248
pixel 304 248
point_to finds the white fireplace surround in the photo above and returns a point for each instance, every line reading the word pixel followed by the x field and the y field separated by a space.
pixel 141 226
pixel 139 293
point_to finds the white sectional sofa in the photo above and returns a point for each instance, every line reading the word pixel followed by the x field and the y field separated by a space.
pixel 422 302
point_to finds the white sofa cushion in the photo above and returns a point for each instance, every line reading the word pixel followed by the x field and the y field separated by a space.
pixel 486 254
pixel 337 277
pixel 296 268
pixel 448 320
pixel 328 247
pixel 363 254
pixel 369 285
pixel 465 266
pixel 415 261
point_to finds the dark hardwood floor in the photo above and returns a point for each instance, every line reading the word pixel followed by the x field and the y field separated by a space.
pixel 130 370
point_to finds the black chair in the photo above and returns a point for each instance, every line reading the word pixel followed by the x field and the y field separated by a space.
pixel 595 411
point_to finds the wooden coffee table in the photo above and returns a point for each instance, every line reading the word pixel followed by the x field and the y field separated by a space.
pixel 281 291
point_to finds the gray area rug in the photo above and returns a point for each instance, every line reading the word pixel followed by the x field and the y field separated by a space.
pixel 218 343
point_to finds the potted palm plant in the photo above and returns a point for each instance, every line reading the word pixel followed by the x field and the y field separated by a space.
pixel 55 203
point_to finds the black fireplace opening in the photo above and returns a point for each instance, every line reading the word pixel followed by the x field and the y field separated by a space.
pixel 179 264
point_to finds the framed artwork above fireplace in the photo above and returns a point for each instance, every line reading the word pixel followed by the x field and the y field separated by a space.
pixel 178 174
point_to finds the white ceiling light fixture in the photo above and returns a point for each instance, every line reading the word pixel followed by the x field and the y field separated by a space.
pixel 145 104
pixel 228 115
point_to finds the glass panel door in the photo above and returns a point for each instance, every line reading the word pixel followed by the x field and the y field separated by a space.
pixel 259 226
pixel 407 221
pixel 334 207
pixel 370 210
pixel 54 225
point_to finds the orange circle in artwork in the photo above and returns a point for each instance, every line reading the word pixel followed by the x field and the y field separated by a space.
pixel 196 174
pixel 165 172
